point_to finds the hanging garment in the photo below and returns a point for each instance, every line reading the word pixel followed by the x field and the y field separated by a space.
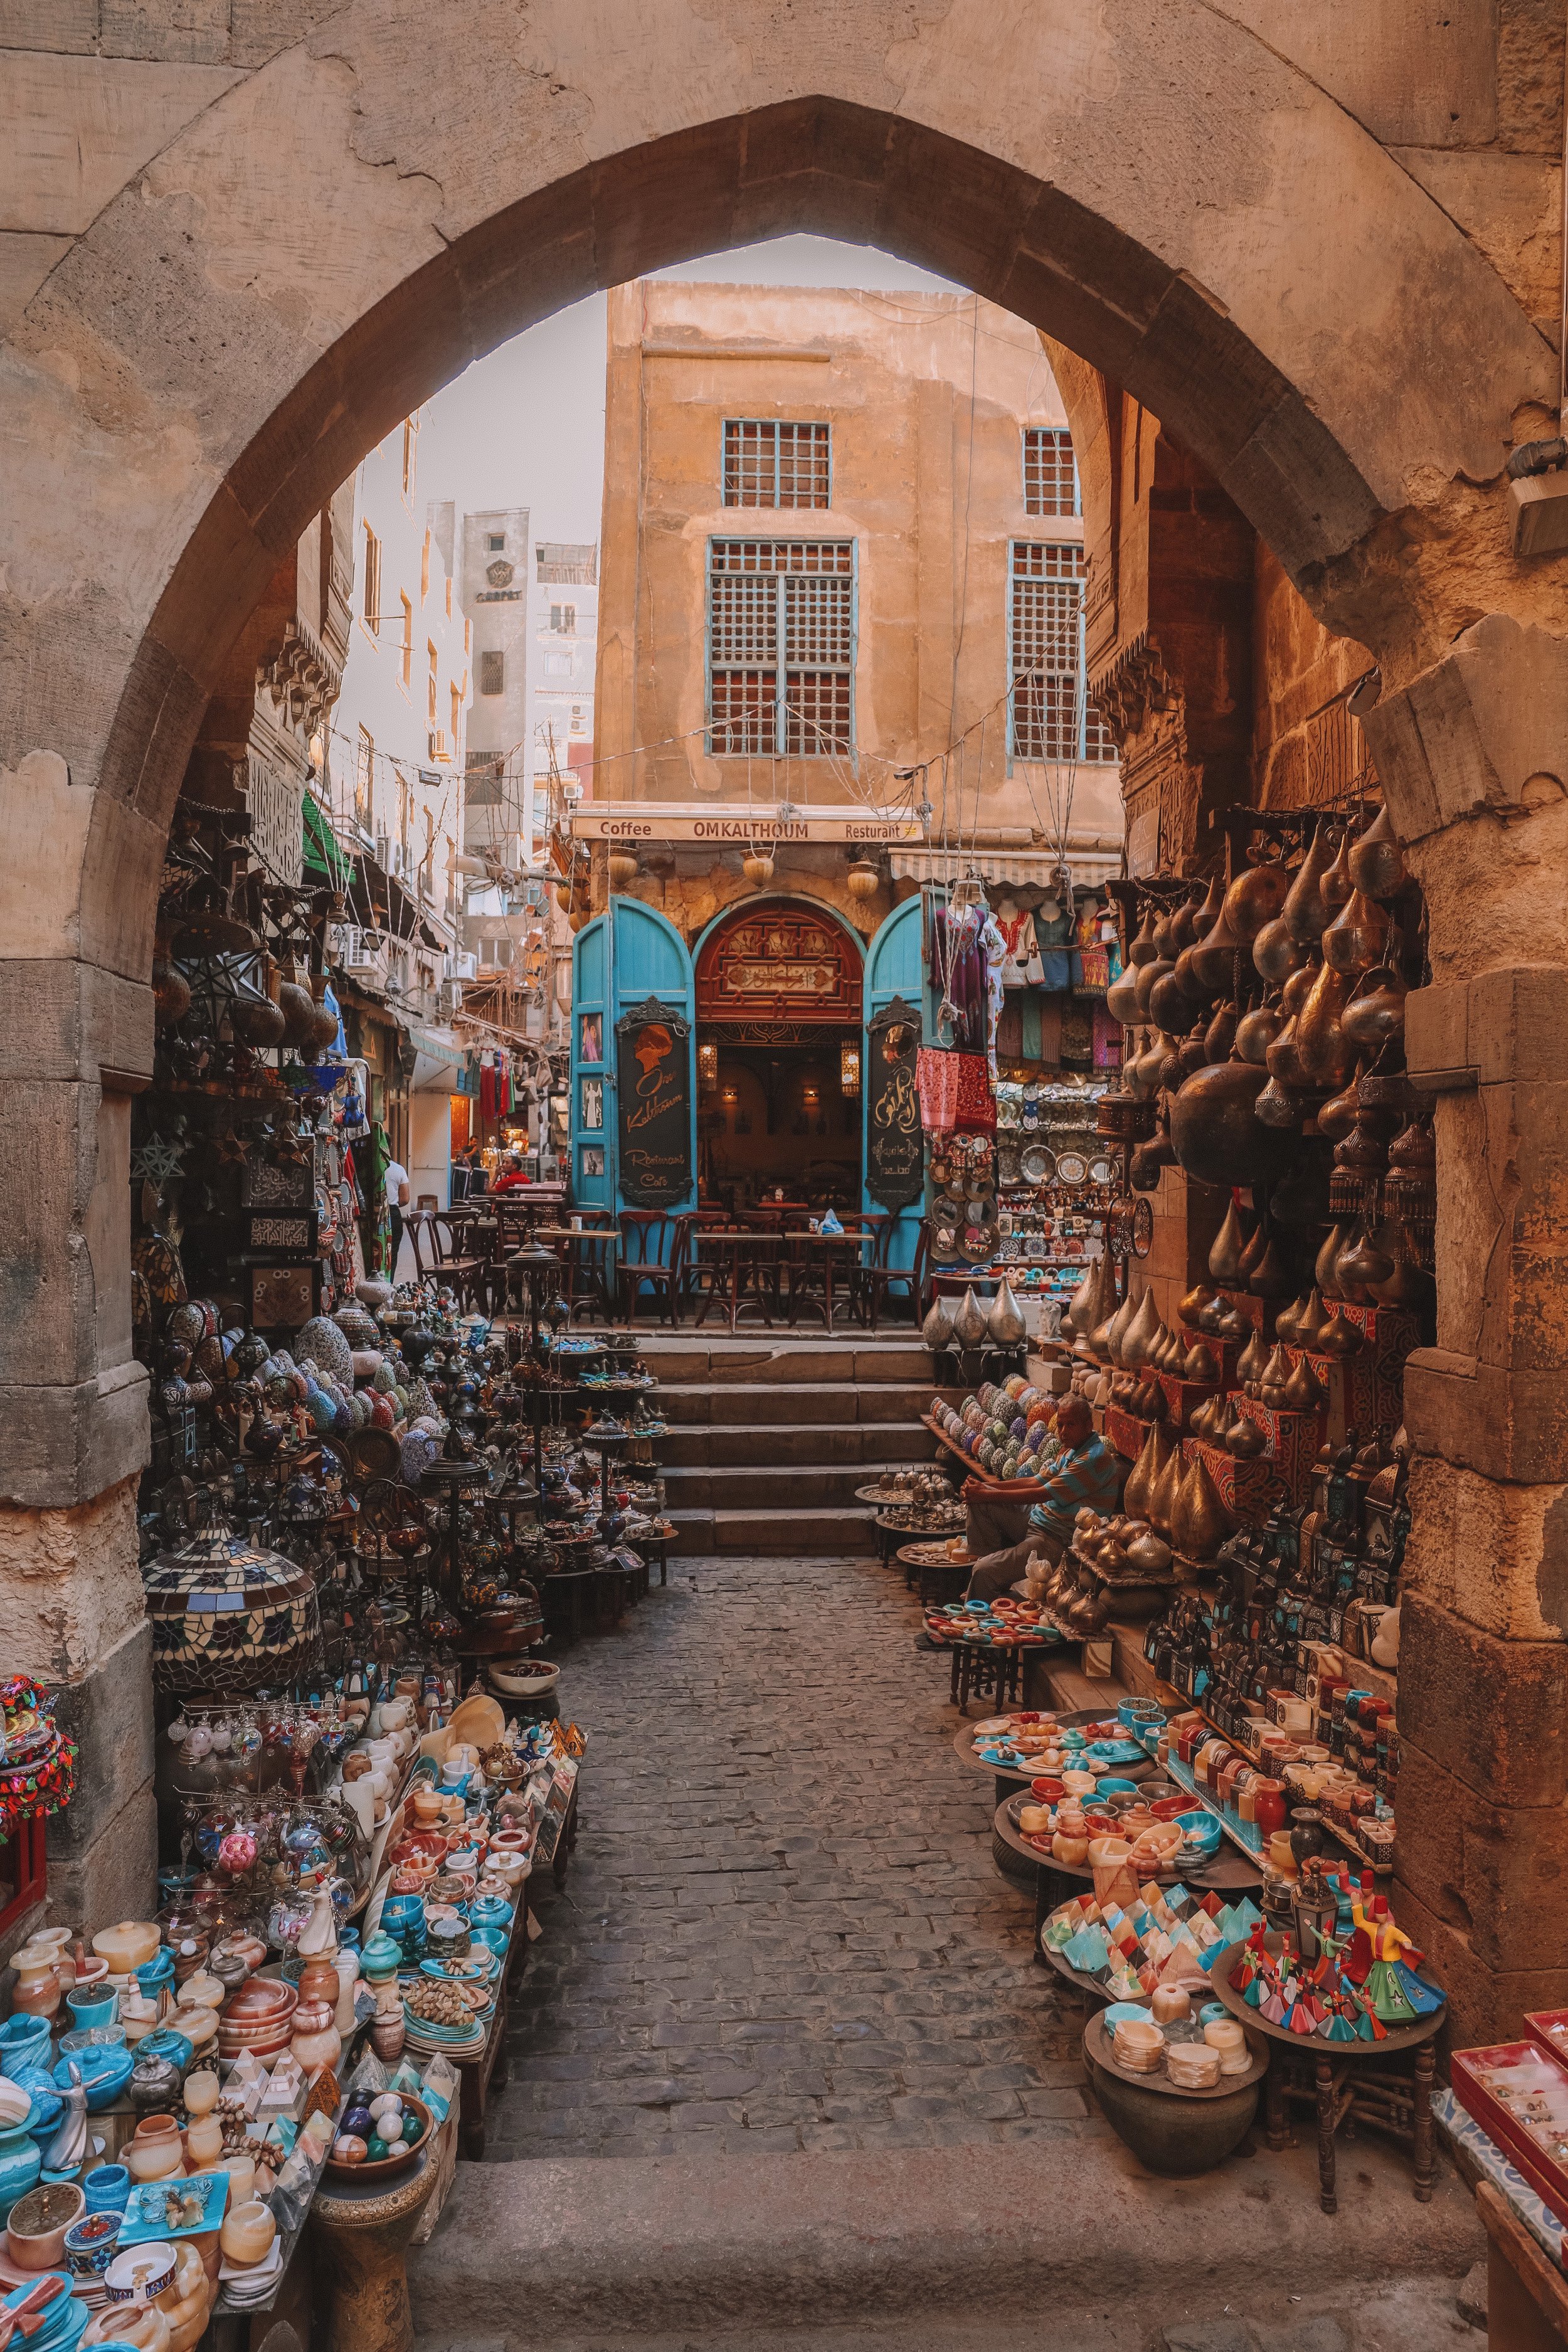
pixel 1017 931
pixel 936 1083
pixel 994 948
pixel 958 969
pixel 1107 1040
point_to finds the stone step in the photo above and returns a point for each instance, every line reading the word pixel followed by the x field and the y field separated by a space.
pixel 763 1445
pixel 793 1405
pixel 805 1533
pixel 785 1488
pixel 771 1358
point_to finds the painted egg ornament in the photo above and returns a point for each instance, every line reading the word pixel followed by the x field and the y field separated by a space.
pixel 376 2148
pixel 357 2122
pixel 349 2148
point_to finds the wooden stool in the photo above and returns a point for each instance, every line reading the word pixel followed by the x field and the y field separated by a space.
pixel 985 1670
pixel 360 2239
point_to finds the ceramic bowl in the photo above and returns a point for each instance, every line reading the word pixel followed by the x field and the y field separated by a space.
pixel 91 2037
pixel 22 2042
pixel 104 2074
pixel 89 2243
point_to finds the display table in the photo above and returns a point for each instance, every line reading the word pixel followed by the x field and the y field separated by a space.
pixel 1058 1882
pixel 1527 2294
pixel 1345 2081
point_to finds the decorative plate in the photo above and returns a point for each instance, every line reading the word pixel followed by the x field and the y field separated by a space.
pixel 1142 1228
pixel 945 1240
pixel 946 1210
pixel 978 1243
pixel 1007 1164
pixel 1071 1167
pixel 1099 1170
pixel 1037 1164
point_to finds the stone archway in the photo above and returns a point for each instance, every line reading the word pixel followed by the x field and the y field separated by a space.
pixel 273 245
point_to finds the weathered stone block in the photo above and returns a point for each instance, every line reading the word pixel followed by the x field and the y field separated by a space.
pixel 67 1444
pixel 109 1711
pixel 1498 1872
pixel 70 1590
pixel 1494 1553
pixel 115 1877
pixel 1485 2004
pixel 1494 1713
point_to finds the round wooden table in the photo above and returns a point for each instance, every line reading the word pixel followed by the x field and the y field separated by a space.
pixel 1009 1781
pixel 1229 1873
pixel 1342 2085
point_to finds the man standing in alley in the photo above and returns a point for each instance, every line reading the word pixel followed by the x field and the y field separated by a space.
pixel 1026 1517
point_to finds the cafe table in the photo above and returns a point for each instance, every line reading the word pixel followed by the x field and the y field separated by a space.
pixel 737 1263
pixel 837 1256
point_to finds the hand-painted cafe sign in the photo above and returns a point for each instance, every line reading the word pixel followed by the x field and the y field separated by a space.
pixel 653 1062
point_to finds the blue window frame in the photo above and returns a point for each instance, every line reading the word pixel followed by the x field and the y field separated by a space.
pixel 768 461
pixel 1050 471
pixel 783 619
pixel 1050 714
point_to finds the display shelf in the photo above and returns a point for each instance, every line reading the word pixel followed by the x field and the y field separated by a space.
pixel 1243 1833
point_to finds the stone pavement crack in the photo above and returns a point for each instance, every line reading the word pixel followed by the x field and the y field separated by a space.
pixel 784 1927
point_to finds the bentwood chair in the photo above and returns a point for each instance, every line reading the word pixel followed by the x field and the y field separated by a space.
pixel 652 1258
pixel 880 1280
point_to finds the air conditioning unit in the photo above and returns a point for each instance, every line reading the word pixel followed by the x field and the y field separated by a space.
pixel 450 998
pixel 358 949
pixel 465 963
pixel 384 851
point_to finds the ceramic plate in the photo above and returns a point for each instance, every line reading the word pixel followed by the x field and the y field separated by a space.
pixel 1038 1165
pixel 1099 1170
pixel 977 1242
pixel 1071 1167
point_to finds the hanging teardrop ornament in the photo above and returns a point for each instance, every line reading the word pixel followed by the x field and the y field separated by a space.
pixel 1277 952
pixel 1122 996
pixel 1205 1522
pixel 1376 864
pixel 1307 912
pixel 1376 1014
pixel 1214 958
pixel 1254 898
pixel 1354 940
pixel 1337 885
pixel 1339 1339
pixel 1323 1265
pixel 1140 947
pixel 1338 1115
pixel 1225 1253
pixel 1256 1242
pixel 1250 1364
pixel 1220 1035
pixel 1255 1032
pixel 1324 1051
pixel 969 1323
pixel 1347 1287
pixel 1283 1062
pixel 1363 1265
pixel 1162 1498
pixel 937 1329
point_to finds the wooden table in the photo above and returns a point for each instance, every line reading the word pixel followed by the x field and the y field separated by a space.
pixel 1058 1882
pixel 798 1249
pixel 1343 2088
pixel 717 1250
pixel 1527 2294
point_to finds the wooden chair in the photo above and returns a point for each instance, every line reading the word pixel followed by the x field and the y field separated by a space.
pixel 653 1258
pixel 880 1280
pixel 695 1270
pixel 468 1275
pixel 589 1259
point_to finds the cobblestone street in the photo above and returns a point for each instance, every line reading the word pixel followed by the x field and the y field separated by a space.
pixel 783 1928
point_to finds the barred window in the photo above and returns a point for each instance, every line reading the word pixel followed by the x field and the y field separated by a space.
pixel 492 673
pixel 771 463
pixel 1051 717
pixel 1050 471
pixel 781 646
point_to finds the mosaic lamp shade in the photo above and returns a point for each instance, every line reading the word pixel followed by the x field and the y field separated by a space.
pixel 228 1616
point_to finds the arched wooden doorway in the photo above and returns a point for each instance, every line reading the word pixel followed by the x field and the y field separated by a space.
pixel 780 1052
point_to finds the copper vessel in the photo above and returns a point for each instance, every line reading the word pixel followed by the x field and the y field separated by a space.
pixel 1336 884
pixel 1311 1321
pixel 1214 958
pixel 1338 1115
pixel 1194 1302
pixel 1376 864
pixel 1271 1387
pixel 1163 1493
pixel 1307 912
pixel 1220 1035
pixel 1148 973
pixel 1202 1521
pixel 1323 1266
pixel 1322 1049
pixel 1225 1250
pixel 1356 937
pixel 1200 1363
pixel 1250 1362
pixel 1376 1014
pixel 1281 1107
pixel 1269 1277
pixel 1277 952
pixel 1285 1321
pixel 1254 898
pixel 1255 1032
pixel 1339 1339
pixel 1302 1393
pixel 1155 1452
pixel 1141 949
pixel 1168 1001
pixel 1244 1440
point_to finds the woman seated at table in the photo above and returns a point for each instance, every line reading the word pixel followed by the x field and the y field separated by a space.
pixel 1008 1522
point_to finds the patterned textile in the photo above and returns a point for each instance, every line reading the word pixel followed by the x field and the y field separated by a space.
pixel 1089 1476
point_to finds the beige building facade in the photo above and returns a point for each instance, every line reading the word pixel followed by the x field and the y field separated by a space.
pixel 841 579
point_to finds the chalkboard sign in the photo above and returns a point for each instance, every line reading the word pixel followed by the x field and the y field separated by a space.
pixel 653 1061
pixel 895 1143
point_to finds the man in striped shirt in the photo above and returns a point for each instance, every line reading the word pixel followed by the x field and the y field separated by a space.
pixel 1008 1524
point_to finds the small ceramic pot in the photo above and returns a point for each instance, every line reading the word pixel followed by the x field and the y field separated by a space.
pixel 89 2243
pixel 129 1946
pixel 204 2142
pixel 35 2229
pixel 37 1987
pixel 201 2092
pixel 154 2082
pixel 107 2189
pixel 154 2151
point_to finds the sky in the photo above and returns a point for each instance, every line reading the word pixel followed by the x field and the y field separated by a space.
pixel 525 427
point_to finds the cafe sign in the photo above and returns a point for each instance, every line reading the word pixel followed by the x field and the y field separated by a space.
pixel 731 828
pixel 895 1143
pixel 653 1062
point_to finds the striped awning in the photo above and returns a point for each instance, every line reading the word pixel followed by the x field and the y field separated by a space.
pixel 1087 865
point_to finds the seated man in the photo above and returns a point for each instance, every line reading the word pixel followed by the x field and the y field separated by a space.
pixel 1035 1516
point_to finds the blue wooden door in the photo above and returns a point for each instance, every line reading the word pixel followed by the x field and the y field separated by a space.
pixel 613 971
pixel 894 967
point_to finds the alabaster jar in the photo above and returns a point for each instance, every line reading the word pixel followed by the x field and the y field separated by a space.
pixel 248 2231
pixel 37 1987
pixel 203 2141
pixel 155 2151
pixel 128 1946
pixel 316 2041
